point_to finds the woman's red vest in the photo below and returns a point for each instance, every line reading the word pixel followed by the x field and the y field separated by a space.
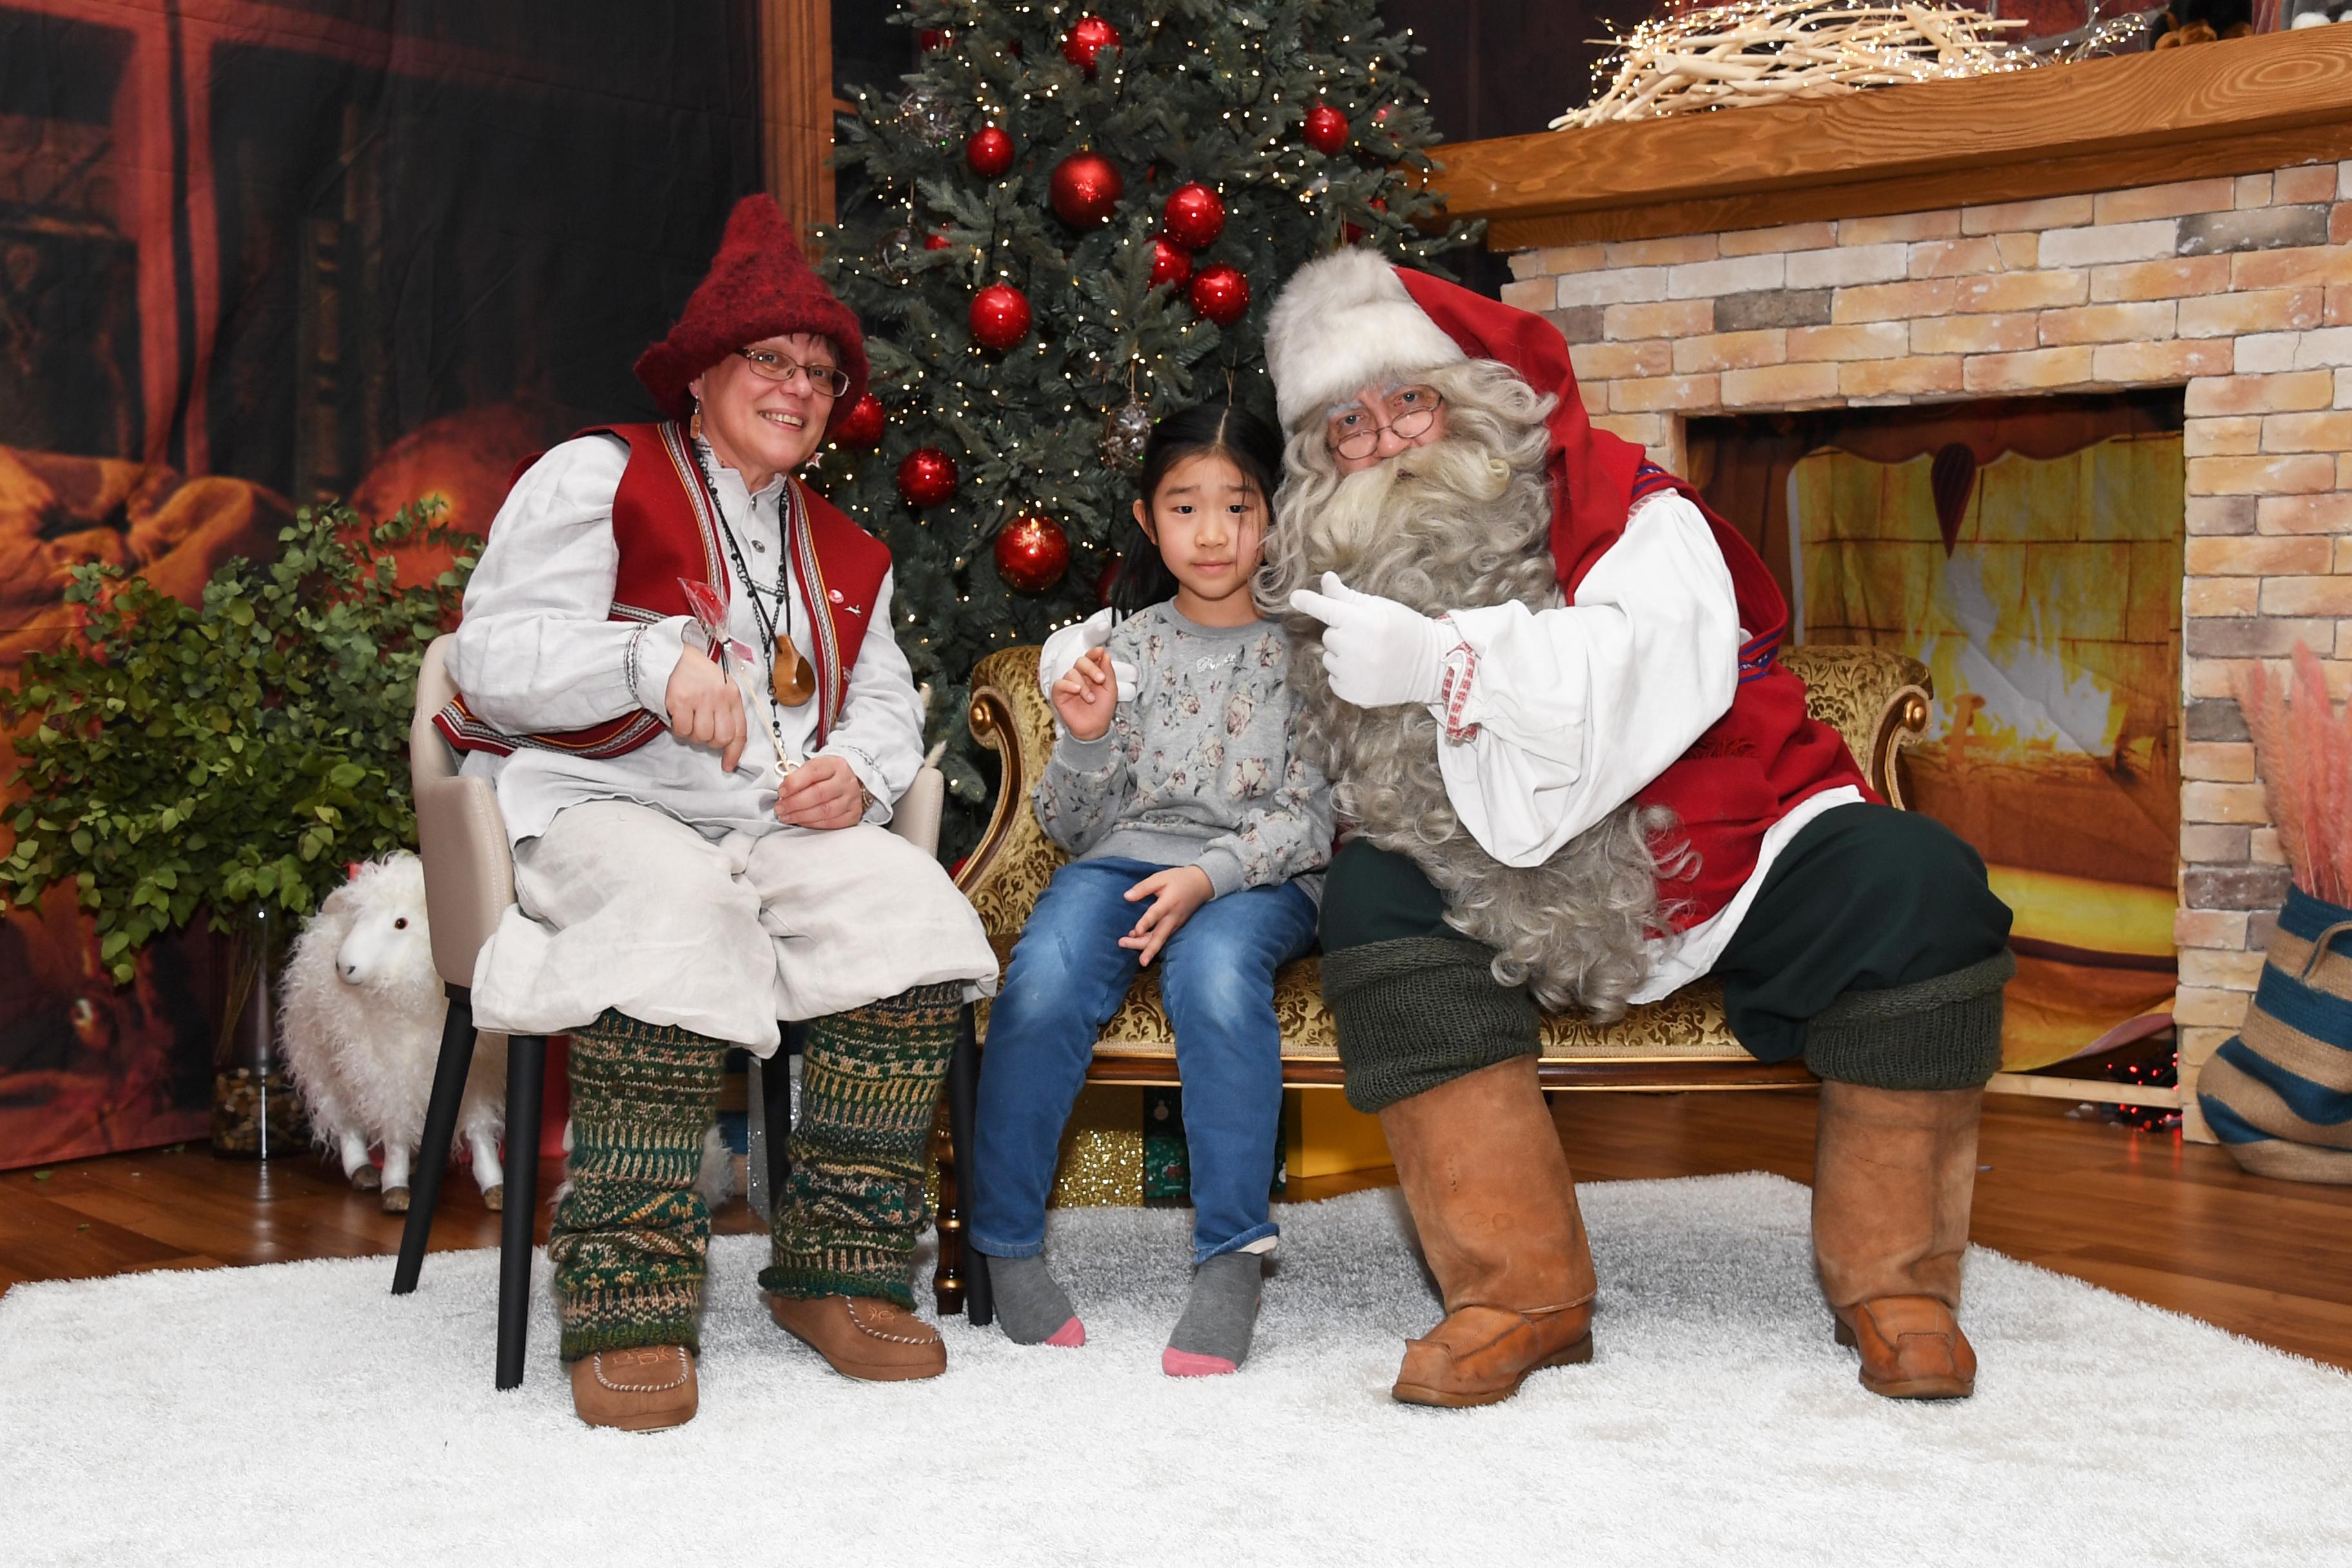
pixel 1765 756
pixel 666 525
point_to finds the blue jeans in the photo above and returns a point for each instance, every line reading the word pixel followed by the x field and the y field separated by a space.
pixel 1068 975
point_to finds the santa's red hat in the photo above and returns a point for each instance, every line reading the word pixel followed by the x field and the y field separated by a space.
pixel 760 286
pixel 1354 318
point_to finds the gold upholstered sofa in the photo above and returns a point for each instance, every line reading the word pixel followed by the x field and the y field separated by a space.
pixel 1876 698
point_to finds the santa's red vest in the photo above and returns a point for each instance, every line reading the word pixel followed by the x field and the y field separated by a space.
pixel 666 525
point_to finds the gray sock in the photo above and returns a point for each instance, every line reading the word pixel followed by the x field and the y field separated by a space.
pixel 1032 1308
pixel 1220 1316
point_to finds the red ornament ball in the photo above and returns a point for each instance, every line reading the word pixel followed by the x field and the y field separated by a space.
pixel 988 152
pixel 927 476
pixel 1220 293
pixel 1194 215
pixel 1032 552
pixel 1085 189
pixel 1169 263
pixel 999 316
pixel 1326 129
pixel 936 242
pixel 931 40
pixel 859 426
pixel 1108 577
pixel 1087 37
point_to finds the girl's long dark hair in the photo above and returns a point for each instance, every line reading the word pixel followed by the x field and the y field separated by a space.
pixel 1248 441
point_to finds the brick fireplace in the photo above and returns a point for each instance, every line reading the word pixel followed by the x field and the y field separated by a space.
pixel 2233 286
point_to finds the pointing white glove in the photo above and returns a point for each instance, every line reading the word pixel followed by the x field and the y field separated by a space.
pixel 1376 652
pixel 1061 652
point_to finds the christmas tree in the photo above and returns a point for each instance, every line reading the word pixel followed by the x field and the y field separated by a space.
pixel 1067 223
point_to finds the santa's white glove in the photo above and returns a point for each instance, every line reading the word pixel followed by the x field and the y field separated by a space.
pixel 1061 653
pixel 1376 652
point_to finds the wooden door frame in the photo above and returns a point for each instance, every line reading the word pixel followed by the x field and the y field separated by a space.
pixel 796 108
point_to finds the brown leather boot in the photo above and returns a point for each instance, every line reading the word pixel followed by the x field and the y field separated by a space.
pixel 640 1390
pixel 864 1337
pixel 1483 1172
pixel 1894 1171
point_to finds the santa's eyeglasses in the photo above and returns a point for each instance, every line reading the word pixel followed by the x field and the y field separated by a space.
pixel 1411 410
pixel 770 365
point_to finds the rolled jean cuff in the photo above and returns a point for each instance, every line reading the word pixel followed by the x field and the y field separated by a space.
pixel 1417 1012
pixel 988 1248
pixel 1255 1233
pixel 1943 1033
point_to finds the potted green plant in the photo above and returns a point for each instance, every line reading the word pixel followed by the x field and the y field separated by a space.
pixel 229 758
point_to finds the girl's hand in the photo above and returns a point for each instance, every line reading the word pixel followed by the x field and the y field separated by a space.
pixel 1085 698
pixel 1174 893
pixel 706 708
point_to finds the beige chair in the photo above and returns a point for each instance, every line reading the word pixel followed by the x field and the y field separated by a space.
pixel 1876 698
pixel 468 887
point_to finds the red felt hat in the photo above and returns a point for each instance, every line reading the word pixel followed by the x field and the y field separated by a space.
pixel 760 286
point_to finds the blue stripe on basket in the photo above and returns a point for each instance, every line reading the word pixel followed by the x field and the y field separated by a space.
pixel 2227 1124
pixel 2306 917
pixel 2313 1012
pixel 2315 1103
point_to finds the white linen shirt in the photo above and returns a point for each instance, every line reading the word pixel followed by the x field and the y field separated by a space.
pixel 536 651
pixel 1580 707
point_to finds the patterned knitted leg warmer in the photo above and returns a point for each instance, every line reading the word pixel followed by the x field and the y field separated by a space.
pixel 846 1220
pixel 630 1232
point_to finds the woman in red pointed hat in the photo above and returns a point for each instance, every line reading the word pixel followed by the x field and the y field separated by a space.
pixel 1541 677
pixel 677 664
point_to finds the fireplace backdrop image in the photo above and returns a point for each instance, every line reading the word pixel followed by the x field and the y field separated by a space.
pixel 2031 559
pixel 257 255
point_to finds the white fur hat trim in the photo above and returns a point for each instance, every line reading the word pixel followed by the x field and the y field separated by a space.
pixel 1344 322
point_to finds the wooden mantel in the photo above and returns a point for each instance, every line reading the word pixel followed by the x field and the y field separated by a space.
pixel 2225 108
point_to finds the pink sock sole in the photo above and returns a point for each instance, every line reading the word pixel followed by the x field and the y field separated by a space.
pixel 1192 1364
pixel 1069 1336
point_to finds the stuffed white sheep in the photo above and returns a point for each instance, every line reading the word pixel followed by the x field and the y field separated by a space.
pixel 360 1012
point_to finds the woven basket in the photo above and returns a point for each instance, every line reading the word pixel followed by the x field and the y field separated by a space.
pixel 2279 1094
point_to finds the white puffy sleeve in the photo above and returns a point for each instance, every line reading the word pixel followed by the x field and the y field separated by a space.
pixel 537 649
pixel 880 731
pixel 1578 708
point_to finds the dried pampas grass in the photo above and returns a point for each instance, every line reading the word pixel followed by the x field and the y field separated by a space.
pixel 2303 749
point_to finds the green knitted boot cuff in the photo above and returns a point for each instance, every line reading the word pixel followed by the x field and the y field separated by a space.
pixel 1943 1033
pixel 630 1233
pixel 1420 1011
pixel 846 1221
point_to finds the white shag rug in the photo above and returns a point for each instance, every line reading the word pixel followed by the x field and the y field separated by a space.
pixel 299 1414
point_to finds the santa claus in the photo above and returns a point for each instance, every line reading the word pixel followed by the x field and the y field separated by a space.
pixel 1541 676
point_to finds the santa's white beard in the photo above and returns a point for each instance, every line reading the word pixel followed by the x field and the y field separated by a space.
pixel 1445 527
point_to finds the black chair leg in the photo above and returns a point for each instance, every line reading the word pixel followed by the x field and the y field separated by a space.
pixel 440 1126
pixel 776 1081
pixel 526 1072
pixel 963 1091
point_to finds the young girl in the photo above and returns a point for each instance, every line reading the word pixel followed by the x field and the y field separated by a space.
pixel 1195 825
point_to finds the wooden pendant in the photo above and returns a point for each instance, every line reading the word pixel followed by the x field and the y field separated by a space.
pixel 791 679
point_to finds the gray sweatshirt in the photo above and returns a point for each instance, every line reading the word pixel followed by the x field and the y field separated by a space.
pixel 1198 770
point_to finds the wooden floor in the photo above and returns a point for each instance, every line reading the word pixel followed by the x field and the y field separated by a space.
pixel 2143 1214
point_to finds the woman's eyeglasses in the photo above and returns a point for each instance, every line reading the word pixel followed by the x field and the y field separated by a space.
pixel 769 365
pixel 1411 410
